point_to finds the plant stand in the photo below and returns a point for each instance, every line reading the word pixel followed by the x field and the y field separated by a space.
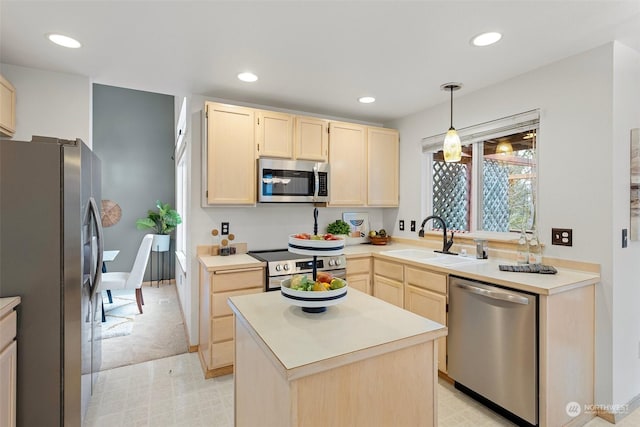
pixel 160 260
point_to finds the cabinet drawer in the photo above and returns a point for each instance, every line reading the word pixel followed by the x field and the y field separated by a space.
pixel 388 269
pixel 221 328
pixel 219 306
pixel 388 290
pixel 360 265
pixel 230 280
pixel 7 329
pixel 436 282
pixel 221 354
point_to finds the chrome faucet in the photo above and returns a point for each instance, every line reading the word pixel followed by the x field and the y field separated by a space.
pixel 446 244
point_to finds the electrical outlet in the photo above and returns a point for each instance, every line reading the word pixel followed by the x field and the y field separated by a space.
pixel 224 228
pixel 401 225
pixel 562 236
pixel 624 237
pixel 413 225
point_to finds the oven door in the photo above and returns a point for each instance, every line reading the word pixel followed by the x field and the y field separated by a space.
pixel 273 282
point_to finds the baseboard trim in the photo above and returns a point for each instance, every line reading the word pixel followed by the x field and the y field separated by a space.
pixel 617 416
pixel 193 348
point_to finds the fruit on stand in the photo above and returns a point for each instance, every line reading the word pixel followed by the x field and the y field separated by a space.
pixel 307 236
pixel 324 282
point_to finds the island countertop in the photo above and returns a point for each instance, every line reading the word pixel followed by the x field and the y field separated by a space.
pixel 360 327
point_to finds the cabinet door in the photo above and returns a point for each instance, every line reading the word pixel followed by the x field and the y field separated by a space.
pixel 8 366
pixel 360 281
pixel 348 160
pixel 274 134
pixel 311 139
pixel 7 108
pixel 433 306
pixel 383 148
pixel 231 165
pixel 388 290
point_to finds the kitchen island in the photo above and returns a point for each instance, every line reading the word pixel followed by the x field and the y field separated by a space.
pixel 363 362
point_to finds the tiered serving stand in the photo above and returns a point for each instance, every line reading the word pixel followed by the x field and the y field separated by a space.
pixel 310 301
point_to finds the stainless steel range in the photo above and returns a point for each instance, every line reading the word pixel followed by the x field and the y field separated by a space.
pixel 282 264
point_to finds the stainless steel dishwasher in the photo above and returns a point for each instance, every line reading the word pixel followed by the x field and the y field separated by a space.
pixel 493 346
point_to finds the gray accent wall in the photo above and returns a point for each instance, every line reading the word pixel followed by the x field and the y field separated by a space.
pixel 133 134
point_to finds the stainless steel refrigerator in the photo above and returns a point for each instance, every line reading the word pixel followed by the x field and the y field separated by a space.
pixel 50 255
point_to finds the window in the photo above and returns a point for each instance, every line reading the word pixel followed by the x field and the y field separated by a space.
pixel 182 180
pixel 493 187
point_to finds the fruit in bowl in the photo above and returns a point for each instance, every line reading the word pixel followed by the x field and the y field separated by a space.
pixel 307 236
pixel 314 296
pixel 379 237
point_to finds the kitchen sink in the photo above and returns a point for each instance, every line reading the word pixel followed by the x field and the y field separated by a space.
pixel 454 260
pixel 415 254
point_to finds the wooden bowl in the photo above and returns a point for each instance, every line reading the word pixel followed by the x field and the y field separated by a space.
pixel 379 240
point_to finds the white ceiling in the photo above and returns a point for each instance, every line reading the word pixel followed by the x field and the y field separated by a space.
pixel 313 56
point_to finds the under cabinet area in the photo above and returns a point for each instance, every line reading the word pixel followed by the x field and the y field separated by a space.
pixel 359 274
pixel 216 339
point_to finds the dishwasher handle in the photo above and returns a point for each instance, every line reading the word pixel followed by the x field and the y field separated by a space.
pixel 503 296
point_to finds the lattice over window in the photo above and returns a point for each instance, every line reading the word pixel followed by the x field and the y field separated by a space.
pixel 451 194
pixel 495 209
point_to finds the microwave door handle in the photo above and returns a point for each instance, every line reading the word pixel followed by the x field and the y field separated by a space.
pixel 316 183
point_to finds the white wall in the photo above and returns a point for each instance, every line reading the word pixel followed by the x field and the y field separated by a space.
pixel 580 181
pixel 50 104
pixel 626 268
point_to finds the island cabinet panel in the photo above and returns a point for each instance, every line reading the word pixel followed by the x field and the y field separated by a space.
pixel 274 134
pixel 230 155
pixel 383 166
pixel 311 139
pixel 343 378
pixel 359 274
pixel 8 361
pixel 216 343
pixel 348 161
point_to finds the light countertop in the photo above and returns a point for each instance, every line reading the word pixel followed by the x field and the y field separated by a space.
pixel 7 304
pixel 298 339
pixel 484 270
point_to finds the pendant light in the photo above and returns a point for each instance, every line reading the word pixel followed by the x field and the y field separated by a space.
pixel 452 148
pixel 504 147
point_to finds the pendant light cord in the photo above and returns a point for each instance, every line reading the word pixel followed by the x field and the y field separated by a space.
pixel 451 116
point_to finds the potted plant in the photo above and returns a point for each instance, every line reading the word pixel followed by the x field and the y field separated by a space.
pixel 162 221
pixel 339 227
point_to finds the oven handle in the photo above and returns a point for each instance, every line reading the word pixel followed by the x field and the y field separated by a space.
pixel 241 270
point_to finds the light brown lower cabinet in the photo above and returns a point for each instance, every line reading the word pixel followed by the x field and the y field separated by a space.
pixel 388 283
pixel 359 274
pixel 216 337
pixel 8 368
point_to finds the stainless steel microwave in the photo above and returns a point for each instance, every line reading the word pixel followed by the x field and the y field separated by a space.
pixel 294 181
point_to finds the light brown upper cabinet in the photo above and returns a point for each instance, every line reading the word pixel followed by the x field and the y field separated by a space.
pixel 7 108
pixel 382 166
pixel 311 139
pixel 274 134
pixel 230 155
pixel 348 162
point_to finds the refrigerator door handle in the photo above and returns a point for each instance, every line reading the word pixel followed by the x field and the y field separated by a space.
pixel 94 214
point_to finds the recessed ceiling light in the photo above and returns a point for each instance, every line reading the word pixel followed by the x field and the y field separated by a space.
pixel 247 77
pixel 366 99
pixel 485 39
pixel 64 41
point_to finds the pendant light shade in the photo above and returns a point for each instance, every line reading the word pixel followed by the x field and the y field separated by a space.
pixel 452 149
pixel 504 147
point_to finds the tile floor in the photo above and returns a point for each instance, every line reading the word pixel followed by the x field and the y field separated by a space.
pixel 172 392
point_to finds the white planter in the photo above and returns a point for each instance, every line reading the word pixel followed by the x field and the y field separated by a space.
pixel 160 242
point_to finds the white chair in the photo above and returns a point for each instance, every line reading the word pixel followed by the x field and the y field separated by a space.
pixel 133 279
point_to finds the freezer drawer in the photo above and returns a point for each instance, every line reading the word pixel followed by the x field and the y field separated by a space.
pixel 493 345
